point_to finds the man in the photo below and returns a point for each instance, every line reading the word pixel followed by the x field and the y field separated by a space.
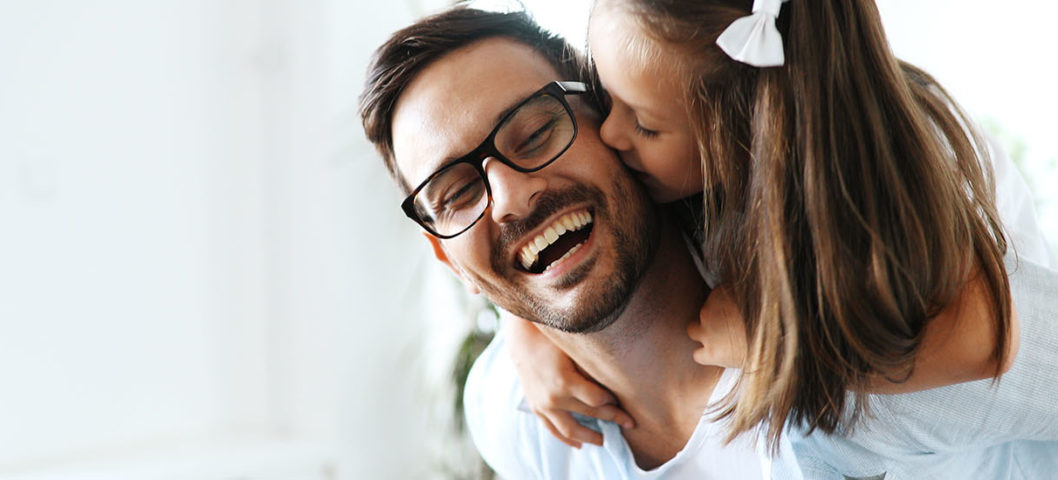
pixel 505 170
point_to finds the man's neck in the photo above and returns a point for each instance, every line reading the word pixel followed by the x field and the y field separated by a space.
pixel 645 356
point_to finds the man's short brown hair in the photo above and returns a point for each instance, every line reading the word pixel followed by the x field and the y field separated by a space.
pixel 397 62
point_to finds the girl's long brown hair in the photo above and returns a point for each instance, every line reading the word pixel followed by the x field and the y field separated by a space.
pixel 847 202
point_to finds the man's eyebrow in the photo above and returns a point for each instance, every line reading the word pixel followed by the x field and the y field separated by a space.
pixel 507 111
pixel 446 161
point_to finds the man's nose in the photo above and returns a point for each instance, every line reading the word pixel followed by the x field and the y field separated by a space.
pixel 513 192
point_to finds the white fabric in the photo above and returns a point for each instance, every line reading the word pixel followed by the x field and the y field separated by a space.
pixel 753 39
pixel 1007 430
pixel 517 446
pixel 1002 430
pixel 1016 209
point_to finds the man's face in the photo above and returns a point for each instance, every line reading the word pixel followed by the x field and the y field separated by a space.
pixel 610 225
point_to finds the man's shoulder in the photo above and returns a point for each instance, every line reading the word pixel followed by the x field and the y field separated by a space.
pixel 492 376
pixel 503 429
pixel 513 441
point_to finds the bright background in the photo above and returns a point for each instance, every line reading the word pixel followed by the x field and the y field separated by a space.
pixel 203 269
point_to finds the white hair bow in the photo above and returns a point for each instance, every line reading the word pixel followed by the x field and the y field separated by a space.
pixel 753 39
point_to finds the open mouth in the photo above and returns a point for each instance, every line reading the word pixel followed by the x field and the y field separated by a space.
pixel 556 243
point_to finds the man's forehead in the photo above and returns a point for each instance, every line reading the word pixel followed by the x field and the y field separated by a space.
pixel 453 104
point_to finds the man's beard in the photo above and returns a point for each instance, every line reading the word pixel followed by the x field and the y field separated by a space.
pixel 633 223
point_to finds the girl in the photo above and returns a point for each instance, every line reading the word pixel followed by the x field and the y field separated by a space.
pixel 847 215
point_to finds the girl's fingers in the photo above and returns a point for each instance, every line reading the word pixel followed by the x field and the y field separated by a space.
pixel 554 431
pixel 610 413
pixel 704 356
pixel 593 400
pixel 613 414
pixel 589 392
pixel 706 311
pixel 569 428
pixel 696 332
pixel 561 423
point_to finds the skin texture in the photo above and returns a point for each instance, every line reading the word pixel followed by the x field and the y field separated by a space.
pixel 441 116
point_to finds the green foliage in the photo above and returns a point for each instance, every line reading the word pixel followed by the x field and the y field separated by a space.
pixel 473 344
pixel 1014 145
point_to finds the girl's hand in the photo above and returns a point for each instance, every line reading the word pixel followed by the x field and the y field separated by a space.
pixel 721 330
pixel 554 387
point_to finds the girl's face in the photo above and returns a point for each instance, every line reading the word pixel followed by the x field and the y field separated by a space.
pixel 648 123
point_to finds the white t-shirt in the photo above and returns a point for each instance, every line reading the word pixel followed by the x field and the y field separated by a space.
pixel 516 445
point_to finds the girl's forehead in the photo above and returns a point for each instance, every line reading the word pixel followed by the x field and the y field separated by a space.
pixel 617 37
pixel 632 66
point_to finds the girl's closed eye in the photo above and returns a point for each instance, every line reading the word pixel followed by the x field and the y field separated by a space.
pixel 646 132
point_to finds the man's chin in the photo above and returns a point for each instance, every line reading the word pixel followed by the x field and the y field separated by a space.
pixel 580 311
pixel 597 321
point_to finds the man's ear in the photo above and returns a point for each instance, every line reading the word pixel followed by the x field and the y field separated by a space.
pixel 442 256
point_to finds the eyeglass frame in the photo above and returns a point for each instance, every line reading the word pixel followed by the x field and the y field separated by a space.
pixel 487 148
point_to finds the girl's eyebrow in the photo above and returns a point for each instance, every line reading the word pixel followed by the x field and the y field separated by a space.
pixel 633 105
pixel 642 110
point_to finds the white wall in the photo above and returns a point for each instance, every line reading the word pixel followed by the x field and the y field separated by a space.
pixel 203 272
pixel 997 59
pixel 111 274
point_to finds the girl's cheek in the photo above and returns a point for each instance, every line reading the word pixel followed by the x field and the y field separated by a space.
pixel 628 158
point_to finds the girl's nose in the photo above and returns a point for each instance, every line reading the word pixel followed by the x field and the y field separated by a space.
pixel 614 133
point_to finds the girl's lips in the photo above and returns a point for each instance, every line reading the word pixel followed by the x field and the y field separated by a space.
pixel 634 167
pixel 638 172
pixel 648 181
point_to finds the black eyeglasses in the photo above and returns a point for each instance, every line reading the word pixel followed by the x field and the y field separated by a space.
pixel 530 137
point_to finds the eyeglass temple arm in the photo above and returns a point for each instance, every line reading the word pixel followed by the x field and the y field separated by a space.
pixel 573 87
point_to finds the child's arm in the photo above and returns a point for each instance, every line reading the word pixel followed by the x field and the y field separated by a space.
pixel 956 346
pixel 554 387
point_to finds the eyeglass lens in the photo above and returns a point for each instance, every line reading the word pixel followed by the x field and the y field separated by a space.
pixel 535 134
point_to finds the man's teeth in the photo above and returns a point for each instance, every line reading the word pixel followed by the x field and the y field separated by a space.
pixel 570 252
pixel 569 222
